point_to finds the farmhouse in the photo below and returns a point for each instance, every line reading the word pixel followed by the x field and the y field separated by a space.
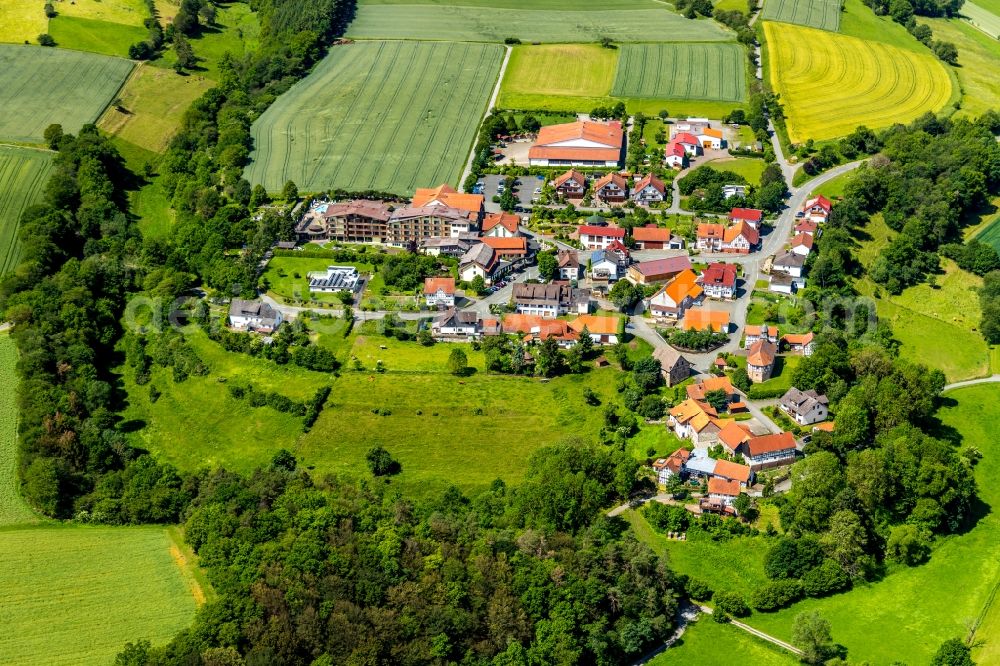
pixel 448 197
pixel 550 300
pixel 729 191
pixel 723 492
pixel 439 292
pixel 480 261
pixel 705 319
pixel 799 343
pixel 802 244
pixel 750 216
pixel 805 407
pixel 649 190
pixel 581 143
pixel 652 237
pixel 789 262
pixel 817 209
pixel 733 434
pixel 674 367
pixel 602 330
pixel 604 266
pixel 688 142
pixel 568 262
pixel 571 184
pixel 358 221
pixel 658 270
pixel 552 329
pixel 256 316
pixel 710 137
pixel 755 333
pixel 675 297
pixel 695 421
pixel 760 360
pixel 675 155
pixel 719 280
pixel 334 279
pixel 501 225
pixel 765 451
pixel 454 323
pixel 671 466
pixel 741 238
pixel 709 237
pixel 612 188
pixel 593 237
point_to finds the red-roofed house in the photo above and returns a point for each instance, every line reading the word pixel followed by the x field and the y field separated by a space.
pixel 806 227
pixel 751 216
pixel 649 190
pixel 800 343
pixel 689 142
pixel 501 225
pixel 675 156
pixel 439 292
pixel 710 237
pixel 766 451
pixel 581 143
pixel 740 238
pixel 802 244
pixel 723 491
pixel 652 237
pixel 612 188
pixel 719 280
pixel 817 209
pixel 670 466
pixel 571 184
pixel 508 249
pixel 598 238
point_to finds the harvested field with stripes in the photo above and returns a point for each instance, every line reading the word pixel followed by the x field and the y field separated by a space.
pixel 682 71
pixel 388 116
pixel 829 83
pixel 990 235
pixel 822 14
pixel 43 85
pixel 23 173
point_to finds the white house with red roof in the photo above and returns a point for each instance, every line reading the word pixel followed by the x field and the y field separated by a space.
pixel 612 188
pixel 750 216
pixel 439 292
pixel 688 141
pixel 740 238
pixel 649 190
pixel 599 238
pixel 817 209
pixel 675 155
pixel 719 280
pixel 571 184
pixel 802 244
pixel 806 227
pixel 501 225
pixel 581 143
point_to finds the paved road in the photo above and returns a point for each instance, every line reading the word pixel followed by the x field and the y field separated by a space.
pixel 992 379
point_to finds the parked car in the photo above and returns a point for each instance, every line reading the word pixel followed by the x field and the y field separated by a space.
pixel 538 191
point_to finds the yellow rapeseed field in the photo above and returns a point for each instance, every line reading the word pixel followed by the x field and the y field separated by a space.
pixel 829 83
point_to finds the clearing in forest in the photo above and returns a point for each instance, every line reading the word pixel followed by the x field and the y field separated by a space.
pixel 822 14
pixel 387 116
pixel 682 71
pixel 829 83
pixel 23 173
pixel 77 88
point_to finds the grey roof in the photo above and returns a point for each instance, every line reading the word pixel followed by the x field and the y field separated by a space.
pixel 542 293
pixel 668 357
pixel 240 307
pixel 376 210
pixel 453 317
pixel 790 259
pixel 782 278
pixel 802 402
pixel 568 258
pixel 481 254
pixel 336 277
pixel 701 464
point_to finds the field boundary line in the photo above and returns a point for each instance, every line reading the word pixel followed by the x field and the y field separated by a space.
pixel 490 105
pixel 128 79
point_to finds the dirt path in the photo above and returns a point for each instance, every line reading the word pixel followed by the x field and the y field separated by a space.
pixel 992 379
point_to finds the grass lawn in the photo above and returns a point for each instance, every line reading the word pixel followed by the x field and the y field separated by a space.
pixel 748 167
pixel 151 204
pixel 281 276
pixel 78 87
pixel 977 55
pixel 155 101
pixel 982 18
pixel 859 21
pixel 126 12
pixel 13 508
pixel 708 643
pixel 23 174
pixel 448 442
pixel 84 34
pixel 913 610
pixel 990 232
pixel 831 83
pixel 236 31
pixel 574 70
pixel 20 21
pixel 782 376
pixel 834 188
pixel 76 595
pixel 409 356
pixel 735 565
pixel 389 116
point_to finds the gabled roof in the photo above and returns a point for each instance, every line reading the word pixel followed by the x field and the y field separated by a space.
pixel 685 138
pixel 820 201
pixel 668 357
pixel 731 470
pixel 741 229
pixel 790 259
pixel 649 180
pixel 609 232
pixel 595 324
pixel 702 318
pixel 433 284
pixel 508 221
pixel 674 462
pixel 514 245
pixel 553 328
pixel 675 149
pixel 698 390
pixel 734 434
pixel 761 353
pixel 707 230
pixel 712 132
pixel 572 174
pixel 719 274
pixel 806 226
pixel 798 338
pixel 618 246
pixel 480 254
pixel 685 285
pixel 612 178
pixel 761 330
pixel 687 410
pixel 717 486
pixel 651 233
pixel 568 259
pixel 447 195
pixel 607 134
pixel 520 323
pixel 666 266
pixel 748 214
pixel 803 239
pixel 762 444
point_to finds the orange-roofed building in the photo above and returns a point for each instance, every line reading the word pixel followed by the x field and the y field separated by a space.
pixel 581 143
pixel 508 249
pixel 649 190
pixel 520 323
pixel 501 225
pixel 731 471
pixel 556 329
pixel 741 238
pixel 652 237
pixel 733 435
pixel 765 451
pixel 799 343
pixel 602 330
pixel 612 188
pixel 704 319
pixel 696 421
pixel 446 195
pixel 698 390
pixel 675 297
pixel 802 244
pixel 722 490
pixel 753 333
pixel 760 360
pixel 709 237
pixel 439 291
pixel 670 466
pixel 571 184
pixel 711 138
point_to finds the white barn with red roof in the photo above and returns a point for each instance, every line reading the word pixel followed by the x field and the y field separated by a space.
pixel 688 141
pixel 581 143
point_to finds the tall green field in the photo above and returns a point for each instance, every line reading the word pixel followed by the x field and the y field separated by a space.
pixel 496 22
pixel 85 34
pixel 76 595
pixel 42 86
pixel 23 173
pixel 388 116
pixel 822 14
pixel 684 71
pixel 991 235
pixel 13 509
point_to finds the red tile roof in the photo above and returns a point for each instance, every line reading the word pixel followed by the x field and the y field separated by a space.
pixel 717 486
pixel 761 353
pixel 685 138
pixel 783 441
pixel 748 214
pixel 650 180
pixel 719 274
pixel 803 239
pixel 820 201
pixel 615 178
pixel 446 194
pixel 675 149
pixel 651 233
pixel 572 174
pixel 706 230
pixel 608 232
pixel 445 284
pixel 515 245
pixel 508 221
pixel 732 470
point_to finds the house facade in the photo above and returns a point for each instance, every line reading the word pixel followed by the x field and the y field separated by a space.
pixel 719 280
pixel 760 360
pixel 675 297
pixel 256 316
pixel 805 407
pixel 550 300
pixel 602 330
pixel 571 185
pixel 741 238
pixel 358 221
pixel 674 367
pixel 790 263
pixel 501 225
pixel 763 332
pixel 604 266
pixel 649 190
pixel 750 216
pixel 799 343
pixel 568 262
pixel 612 188
pixel 767 451
pixel 709 237
pixel 455 324
pixel 598 238
pixel 439 292
pixel 481 261
pixel 675 155
pixel 652 237
pixel 817 209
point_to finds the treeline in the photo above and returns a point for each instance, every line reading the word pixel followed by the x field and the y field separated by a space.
pixel 313 571
pixel 905 12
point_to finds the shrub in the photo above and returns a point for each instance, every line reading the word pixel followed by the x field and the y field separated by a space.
pixel 731 603
pixel 775 595
pixel 697 589
pixel 827 578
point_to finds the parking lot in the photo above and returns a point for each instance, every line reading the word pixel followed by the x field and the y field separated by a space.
pixel 525 191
